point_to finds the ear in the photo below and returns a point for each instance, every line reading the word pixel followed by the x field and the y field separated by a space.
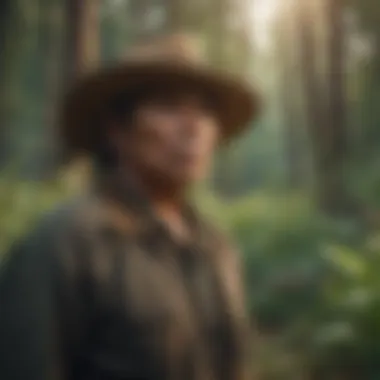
pixel 117 136
pixel 121 140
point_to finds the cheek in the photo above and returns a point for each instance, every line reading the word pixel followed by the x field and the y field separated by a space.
pixel 157 143
pixel 208 137
pixel 212 136
pixel 151 140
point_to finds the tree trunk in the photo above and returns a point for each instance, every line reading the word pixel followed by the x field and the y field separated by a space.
pixel 326 119
pixel 82 44
pixel 148 18
pixel 82 50
pixel 288 94
pixel 151 18
pixel 10 31
pixel 5 13
pixel 224 176
pixel 51 40
pixel 314 107
pixel 370 112
pixel 174 16
pixel 336 143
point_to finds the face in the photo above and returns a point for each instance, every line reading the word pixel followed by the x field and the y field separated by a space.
pixel 172 137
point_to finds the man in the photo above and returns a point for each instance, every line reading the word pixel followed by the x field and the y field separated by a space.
pixel 128 282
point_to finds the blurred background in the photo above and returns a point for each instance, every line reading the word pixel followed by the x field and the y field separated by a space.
pixel 300 193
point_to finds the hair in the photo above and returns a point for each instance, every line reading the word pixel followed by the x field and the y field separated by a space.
pixel 120 112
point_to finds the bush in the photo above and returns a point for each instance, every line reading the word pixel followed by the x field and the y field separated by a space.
pixel 313 287
pixel 312 282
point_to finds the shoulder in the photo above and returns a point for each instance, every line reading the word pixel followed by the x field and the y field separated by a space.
pixel 36 244
pixel 60 228
pixel 63 241
pixel 63 220
pixel 86 215
pixel 218 239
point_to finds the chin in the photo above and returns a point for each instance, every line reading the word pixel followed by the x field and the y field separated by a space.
pixel 189 178
pixel 185 175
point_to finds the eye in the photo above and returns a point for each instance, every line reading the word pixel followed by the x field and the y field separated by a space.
pixel 169 102
pixel 208 107
pixel 203 103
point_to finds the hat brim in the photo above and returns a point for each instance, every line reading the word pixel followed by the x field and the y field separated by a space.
pixel 86 103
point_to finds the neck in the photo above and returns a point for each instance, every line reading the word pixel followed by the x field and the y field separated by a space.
pixel 166 200
pixel 165 196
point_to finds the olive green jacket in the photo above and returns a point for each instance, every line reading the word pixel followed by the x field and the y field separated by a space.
pixel 101 290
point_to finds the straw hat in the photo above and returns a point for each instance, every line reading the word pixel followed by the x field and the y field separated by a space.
pixel 171 60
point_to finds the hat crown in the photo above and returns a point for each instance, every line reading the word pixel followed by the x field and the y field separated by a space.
pixel 178 48
pixel 178 59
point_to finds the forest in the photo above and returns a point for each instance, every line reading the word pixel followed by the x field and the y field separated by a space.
pixel 299 193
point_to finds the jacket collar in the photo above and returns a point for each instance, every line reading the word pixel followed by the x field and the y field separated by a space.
pixel 128 197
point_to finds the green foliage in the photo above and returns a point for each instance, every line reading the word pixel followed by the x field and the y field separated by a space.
pixel 22 202
pixel 312 282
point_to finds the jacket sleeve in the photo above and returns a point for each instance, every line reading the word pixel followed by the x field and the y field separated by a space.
pixel 248 336
pixel 233 276
pixel 33 305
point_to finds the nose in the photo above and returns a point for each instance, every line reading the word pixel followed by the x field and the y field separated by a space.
pixel 191 121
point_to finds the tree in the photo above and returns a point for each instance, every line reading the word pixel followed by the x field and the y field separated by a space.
pixel 44 74
pixel 5 14
pixel 368 12
pixel 82 40
pixel 325 103
pixel 15 21
pixel 82 48
pixel 218 45
pixel 336 127
pixel 288 94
